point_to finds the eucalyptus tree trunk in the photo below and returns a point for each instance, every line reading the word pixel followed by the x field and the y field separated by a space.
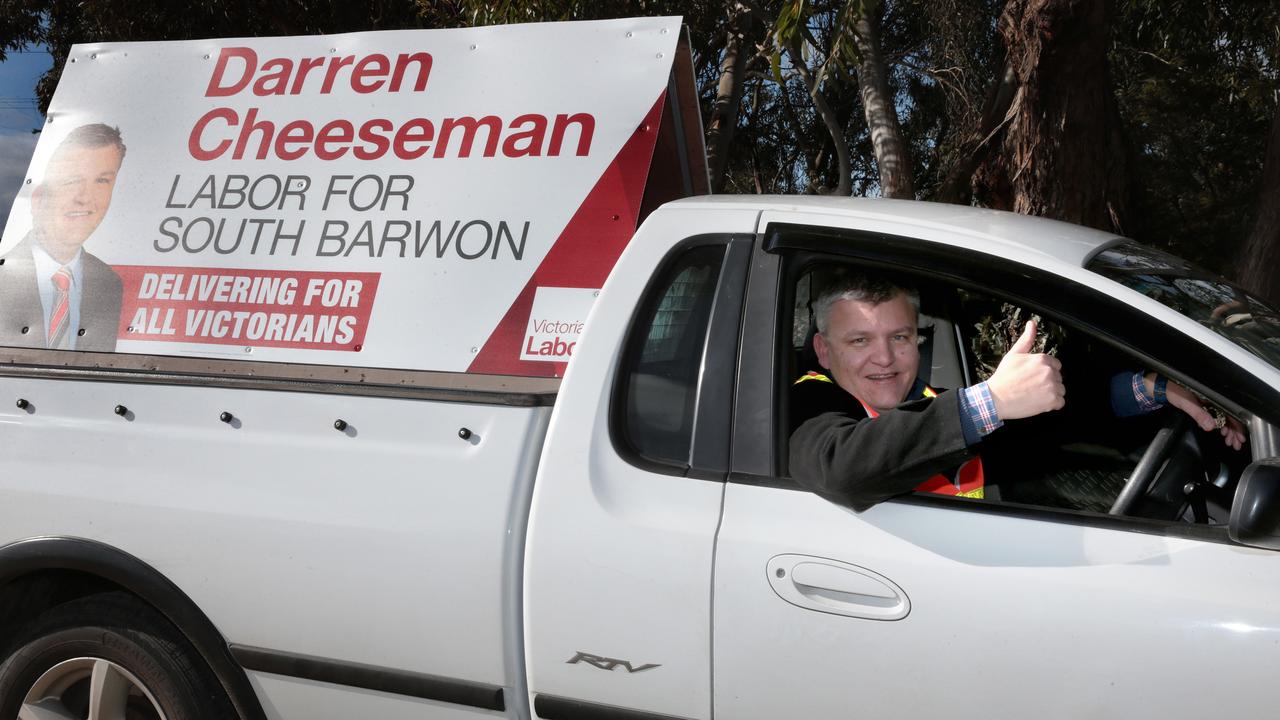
pixel 828 117
pixel 1258 266
pixel 892 159
pixel 1063 153
pixel 957 186
pixel 724 112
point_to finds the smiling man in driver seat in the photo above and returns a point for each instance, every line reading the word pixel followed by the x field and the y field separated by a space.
pixel 869 428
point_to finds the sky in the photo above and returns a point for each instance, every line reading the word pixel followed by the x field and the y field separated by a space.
pixel 18 117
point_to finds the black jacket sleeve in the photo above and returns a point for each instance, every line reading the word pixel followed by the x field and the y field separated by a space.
pixel 859 461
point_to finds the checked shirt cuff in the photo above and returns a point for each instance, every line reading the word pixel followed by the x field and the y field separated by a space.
pixel 977 413
pixel 1145 401
pixel 1129 395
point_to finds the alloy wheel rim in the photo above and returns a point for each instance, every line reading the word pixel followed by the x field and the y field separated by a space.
pixel 88 688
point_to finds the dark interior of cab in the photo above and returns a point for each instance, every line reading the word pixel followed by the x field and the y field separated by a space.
pixel 1082 458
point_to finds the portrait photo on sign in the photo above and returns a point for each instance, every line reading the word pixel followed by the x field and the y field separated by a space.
pixel 54 293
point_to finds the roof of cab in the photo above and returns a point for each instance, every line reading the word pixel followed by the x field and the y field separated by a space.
pixel 977 228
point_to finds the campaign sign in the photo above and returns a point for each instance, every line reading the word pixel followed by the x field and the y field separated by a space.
pixel 555 322
pixel 421 199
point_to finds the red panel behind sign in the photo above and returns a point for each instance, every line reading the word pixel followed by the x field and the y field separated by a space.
pixel 584 253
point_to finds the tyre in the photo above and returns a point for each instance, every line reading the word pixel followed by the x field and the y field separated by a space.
pixel 107 656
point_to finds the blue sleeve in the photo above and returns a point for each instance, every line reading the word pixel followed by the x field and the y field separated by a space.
pixel 1129 396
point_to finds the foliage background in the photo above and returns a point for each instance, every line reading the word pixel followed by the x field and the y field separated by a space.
pixel 1158 112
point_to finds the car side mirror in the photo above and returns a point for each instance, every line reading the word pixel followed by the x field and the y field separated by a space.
pixel 1255 512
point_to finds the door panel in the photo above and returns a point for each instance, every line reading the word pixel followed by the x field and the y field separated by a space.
pixel 618 564
pixel 1008 617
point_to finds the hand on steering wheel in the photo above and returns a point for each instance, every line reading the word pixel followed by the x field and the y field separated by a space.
pixel 1233 433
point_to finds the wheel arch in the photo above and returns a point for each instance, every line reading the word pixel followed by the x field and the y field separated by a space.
pixel 41 572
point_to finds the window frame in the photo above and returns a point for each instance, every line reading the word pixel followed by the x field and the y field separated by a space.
pixel 708 457
pixel 1102 317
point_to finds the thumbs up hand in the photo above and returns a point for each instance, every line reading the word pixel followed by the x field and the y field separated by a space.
pixel 1026 383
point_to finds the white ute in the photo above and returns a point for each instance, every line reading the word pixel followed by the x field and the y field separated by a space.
pixel 623 543
pixel 210 531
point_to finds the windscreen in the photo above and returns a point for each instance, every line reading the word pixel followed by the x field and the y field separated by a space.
pixel 1200 295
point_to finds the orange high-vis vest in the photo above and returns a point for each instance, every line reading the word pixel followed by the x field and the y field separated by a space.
pixel 968 480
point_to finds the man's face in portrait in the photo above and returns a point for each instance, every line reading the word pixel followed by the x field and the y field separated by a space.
pixel 871 350
pixel 74 196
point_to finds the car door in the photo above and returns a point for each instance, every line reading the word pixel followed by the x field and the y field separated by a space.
pixel 914 610
pixel 928 607
pixel 622 525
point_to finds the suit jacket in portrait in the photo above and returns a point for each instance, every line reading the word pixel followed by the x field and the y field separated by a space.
pixel 22 316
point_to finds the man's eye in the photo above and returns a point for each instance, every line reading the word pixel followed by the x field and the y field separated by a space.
pixel 858 342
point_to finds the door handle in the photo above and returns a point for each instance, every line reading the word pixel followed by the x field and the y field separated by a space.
pixel 836 587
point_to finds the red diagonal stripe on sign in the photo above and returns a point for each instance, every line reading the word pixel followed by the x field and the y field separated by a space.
pixel 584 253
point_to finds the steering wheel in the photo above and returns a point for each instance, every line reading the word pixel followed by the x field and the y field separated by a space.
pixel 1153 459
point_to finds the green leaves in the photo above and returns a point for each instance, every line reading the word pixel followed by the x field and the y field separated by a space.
pixel 792 29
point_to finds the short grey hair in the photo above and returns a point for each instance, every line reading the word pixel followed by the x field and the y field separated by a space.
pixel 859 287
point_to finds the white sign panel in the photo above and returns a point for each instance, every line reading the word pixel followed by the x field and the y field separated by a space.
pixel 406 199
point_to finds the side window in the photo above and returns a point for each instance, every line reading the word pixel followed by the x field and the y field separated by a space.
pixel 1082 458
pixel 662 365
pixel 1087 456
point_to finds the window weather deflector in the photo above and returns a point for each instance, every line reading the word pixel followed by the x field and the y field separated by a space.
pixel 779 237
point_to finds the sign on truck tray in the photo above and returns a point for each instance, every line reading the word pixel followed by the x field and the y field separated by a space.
pixel 434 200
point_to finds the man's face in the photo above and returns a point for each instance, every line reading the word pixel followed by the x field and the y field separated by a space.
pixel 73 198
pixel 870 350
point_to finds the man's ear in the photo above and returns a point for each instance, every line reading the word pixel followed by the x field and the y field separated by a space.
pixel 822 349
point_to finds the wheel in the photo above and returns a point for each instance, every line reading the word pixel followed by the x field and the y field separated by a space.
pixel 107 656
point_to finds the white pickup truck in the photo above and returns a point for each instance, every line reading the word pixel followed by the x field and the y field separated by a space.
pixel 218 538
pixel 289 427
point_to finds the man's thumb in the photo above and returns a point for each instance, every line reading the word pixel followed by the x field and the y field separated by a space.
pixel 1027 341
